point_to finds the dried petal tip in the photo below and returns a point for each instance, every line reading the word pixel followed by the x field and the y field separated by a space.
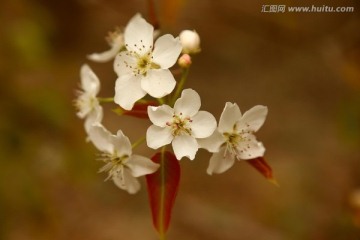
pixel 190 41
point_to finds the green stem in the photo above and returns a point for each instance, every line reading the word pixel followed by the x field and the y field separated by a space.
pixel 161 101
pixel 180 86
pixel 106 100
pixel 138 142
pixel 142 101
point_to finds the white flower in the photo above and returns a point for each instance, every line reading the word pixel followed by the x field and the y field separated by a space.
pixel 123 167
pixel 182 125
pixel 234 138
pixel 116 42
pixel 190 41
pixel 87 104
pixel 143 68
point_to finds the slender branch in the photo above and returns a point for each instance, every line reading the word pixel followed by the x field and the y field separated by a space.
pixel 138 142
pixel 180 85
pixel 106 100
pixel 161 100
pixel 142 100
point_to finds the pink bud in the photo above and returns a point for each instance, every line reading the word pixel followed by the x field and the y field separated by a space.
pixel 184 61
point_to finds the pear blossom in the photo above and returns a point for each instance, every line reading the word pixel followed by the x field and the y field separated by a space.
pixel 122 166
pixel 182 125
pixel 116 41
pixel 143 68
pixel 190 41
pixel 87 103
pixel 234 137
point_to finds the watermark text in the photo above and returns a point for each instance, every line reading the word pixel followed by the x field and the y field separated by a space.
pixel 305 9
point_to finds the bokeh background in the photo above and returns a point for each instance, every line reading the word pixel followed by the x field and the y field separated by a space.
pixel 304 66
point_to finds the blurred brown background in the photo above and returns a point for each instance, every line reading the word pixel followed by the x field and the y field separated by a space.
pixel 303 66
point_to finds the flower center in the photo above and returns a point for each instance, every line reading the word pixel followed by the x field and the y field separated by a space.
pixel 114 163
pixel 180 125
pixel 143 64
pixel 142 59
pixel 233 140
pixel 85 103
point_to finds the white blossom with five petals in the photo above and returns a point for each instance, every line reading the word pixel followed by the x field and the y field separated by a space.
pixel 87 103
pixel 143 68
pixel 234 137
pixel 182 125
pixel 122 166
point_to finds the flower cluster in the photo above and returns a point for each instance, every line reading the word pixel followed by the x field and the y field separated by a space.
pixel 142 62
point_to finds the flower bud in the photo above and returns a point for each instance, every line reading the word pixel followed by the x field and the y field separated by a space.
pixel 190 41
pixel 184 61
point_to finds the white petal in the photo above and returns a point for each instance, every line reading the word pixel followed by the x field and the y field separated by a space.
pixel 127 91
pixel 220 162
pixel 157 136
pixel 122 144
pixel 158 82
pixel 138 35
pixel 101 138
pixel 124 64
pixel 140 166
pixel 212 143
pixel 203 124
pixel 253 119
pixel 160 115
pixel 250 149
pixel 127 182
pixel 109 54
pixel 188 104
pixel 185 146
pixel 230 115
pixel 89 81
pixel 167 50
pixel 94 117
